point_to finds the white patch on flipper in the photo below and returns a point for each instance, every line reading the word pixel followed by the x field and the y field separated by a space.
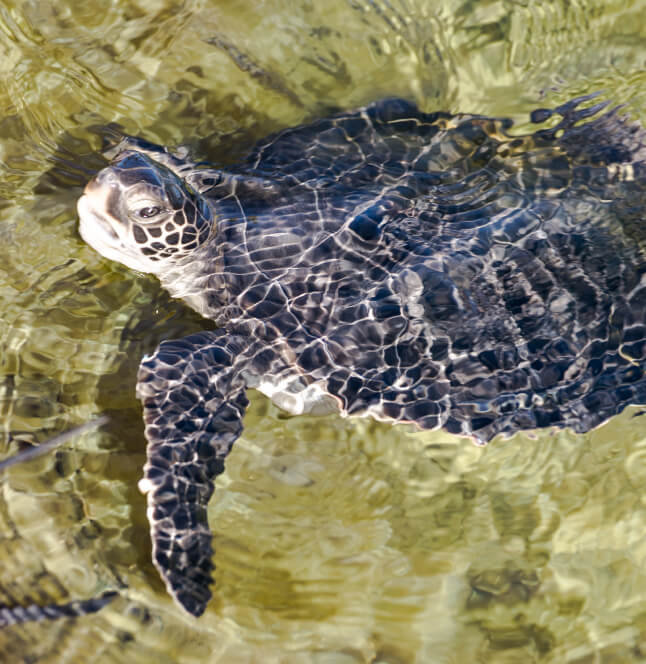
pixel 145 485
pixel 622 172
pixel 291 394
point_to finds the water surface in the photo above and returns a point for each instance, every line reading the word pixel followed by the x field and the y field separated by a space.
pixel 337 541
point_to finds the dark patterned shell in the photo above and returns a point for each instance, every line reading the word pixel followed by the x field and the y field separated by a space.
pixel 429 268
pixel 413 267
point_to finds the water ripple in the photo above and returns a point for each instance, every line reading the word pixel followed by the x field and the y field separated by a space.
pixel 336 541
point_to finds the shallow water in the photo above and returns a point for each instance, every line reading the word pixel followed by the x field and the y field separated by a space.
pixel 337 541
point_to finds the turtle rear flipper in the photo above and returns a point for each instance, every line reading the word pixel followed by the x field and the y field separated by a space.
pixel 14 615
pixel 193 396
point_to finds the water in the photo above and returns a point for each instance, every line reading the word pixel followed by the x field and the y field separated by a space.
pixel 337 541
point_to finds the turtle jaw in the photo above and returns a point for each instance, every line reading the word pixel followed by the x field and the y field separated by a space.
pixel 100 230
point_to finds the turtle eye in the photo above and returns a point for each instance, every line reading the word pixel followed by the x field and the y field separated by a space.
pixel 148 212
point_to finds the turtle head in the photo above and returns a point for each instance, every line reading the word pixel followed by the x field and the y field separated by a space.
pixel 142 213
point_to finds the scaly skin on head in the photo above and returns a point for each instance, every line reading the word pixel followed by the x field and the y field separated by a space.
pixel 141 213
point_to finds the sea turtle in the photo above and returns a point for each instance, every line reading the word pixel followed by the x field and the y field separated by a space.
pixel 412 267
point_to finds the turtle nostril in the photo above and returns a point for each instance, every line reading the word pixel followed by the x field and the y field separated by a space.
pixel 104 178
pixel 92 185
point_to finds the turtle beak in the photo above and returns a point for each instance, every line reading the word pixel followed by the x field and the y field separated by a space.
pixel 90 215
pixel 103 195
pixel 100 206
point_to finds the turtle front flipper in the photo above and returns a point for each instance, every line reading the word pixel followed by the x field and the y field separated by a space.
pixel 193 395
